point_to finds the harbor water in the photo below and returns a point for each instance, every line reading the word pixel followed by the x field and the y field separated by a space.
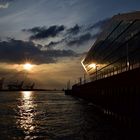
pixel 53 116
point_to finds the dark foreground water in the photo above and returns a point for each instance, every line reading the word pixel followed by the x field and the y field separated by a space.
pixel 53 116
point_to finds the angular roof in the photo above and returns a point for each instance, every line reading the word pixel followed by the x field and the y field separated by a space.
pixel 103 35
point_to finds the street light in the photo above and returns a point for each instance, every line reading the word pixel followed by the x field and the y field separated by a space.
pixel 95 67
pixel 92 65
pixel 96 71
pixel 127 56
pixel 127 51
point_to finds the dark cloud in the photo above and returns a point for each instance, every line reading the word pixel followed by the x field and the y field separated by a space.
pixel 43 32
pixel 60 53
pixel 17 51
pixel 77 41
pixel 99 24
pixel 81 39
pixel 53 31
pixel 74 30
pixel 35 29
pixel 74 36
pixel 52 44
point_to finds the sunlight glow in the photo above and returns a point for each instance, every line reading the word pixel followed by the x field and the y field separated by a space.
pixel 93 65
pixel 26 94
pixel 27 66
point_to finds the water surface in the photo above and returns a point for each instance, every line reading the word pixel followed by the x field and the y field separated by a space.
pixel 53 116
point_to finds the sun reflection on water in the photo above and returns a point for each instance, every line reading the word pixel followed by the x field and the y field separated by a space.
pixel 26 95
pixel 26 112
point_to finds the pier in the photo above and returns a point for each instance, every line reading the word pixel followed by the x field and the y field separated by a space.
pixel 115 95
pixel 113 65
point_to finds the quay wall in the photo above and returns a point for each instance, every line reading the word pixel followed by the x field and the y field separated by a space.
pixel 117 95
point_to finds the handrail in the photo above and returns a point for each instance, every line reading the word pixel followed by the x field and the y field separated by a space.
pixel 111 72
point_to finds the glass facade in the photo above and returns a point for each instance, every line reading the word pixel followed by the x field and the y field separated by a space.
pixel 117 49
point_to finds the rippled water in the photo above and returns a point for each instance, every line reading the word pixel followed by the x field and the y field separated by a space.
pixel 52 116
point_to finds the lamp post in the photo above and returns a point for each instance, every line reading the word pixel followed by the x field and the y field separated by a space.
pixel 127 52
pixel 94 66
pixel 84 78
pixel 96 71
pixel 127 57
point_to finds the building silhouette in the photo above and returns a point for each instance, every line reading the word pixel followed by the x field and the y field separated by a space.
pixel 113 64
pixel 116 49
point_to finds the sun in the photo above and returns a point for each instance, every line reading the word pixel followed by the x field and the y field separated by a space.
pixel 27 66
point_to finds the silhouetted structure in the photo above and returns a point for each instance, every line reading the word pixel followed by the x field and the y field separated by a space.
pixel 29 86
pixel 15 86
pixel 113 64
pixel 19 86
pixel 1 83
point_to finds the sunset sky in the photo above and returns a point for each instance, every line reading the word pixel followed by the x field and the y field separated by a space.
pixel 53 35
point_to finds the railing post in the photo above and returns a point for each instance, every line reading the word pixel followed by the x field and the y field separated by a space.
pixel 113 70
pixel 96 72
pixel 84 78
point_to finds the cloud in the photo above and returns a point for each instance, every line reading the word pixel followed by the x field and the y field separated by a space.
pixel 74 30
pixel 35 30
pixel 100 24
pixel 5 3
pixel 17 51
pixel 52 31
pixel 72 36
pixel 81 39
pixel 43 32
pixel 53 44
pixel 76 41
pixel 89 33
pixel 4 6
